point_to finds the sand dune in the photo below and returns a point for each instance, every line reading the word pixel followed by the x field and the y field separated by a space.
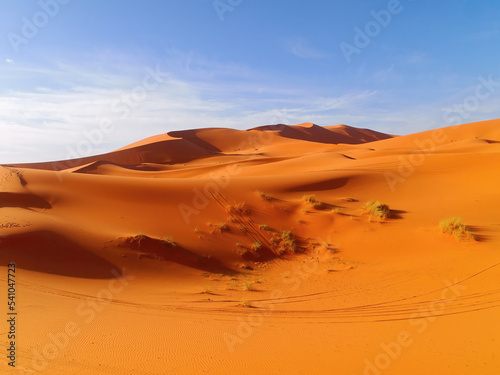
pixel 221 251
pixel 330 134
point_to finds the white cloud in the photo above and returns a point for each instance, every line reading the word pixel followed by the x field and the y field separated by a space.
pixel 384 75
pixel 301 48
pixel 41 124
pixel 10 61
pixel 416 57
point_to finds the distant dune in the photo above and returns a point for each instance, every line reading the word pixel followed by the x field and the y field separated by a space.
pixel 225 251
pixel 330 134
pixel 181 146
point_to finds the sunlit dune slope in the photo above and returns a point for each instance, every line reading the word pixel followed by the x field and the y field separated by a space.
pixel 224 251
pixel 182 146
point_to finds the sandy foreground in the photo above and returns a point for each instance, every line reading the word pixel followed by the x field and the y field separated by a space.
pixel 172 256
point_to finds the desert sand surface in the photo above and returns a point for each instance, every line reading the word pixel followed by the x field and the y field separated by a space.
pixel 172 255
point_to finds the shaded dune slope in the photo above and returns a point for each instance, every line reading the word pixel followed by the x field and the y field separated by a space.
pixel 187 145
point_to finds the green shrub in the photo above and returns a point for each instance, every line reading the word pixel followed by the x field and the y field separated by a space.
pixel 284 242
pixel 264 195
pixel 256 245
pixel 376 209
pixel 455 227
pixel 311 200
pixel 239 208
pixel 222 227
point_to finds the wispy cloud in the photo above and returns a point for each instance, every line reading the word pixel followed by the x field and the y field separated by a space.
pixel 301 48
pixel 383 75
pixel 346 102
pixel 40 123
pixel 59 104
pixel 416 57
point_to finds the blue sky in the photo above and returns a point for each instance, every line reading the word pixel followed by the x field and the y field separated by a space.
pixel 69 66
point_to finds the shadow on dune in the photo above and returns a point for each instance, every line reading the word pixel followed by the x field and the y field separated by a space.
pixel 329 184
pixel 330 135
pixel 171 151
pixel 396 214
pixel 22 200
pixel 393 215
pixel 491 141
pixel 479 233
pixel 191 136
pixel 94 167
pixel 6 173
pixel 48 252
pixel 264 254
pixel 163 251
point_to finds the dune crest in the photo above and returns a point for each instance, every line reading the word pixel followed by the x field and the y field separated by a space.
pixel 195 251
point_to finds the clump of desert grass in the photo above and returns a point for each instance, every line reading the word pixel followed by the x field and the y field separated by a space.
pixel 248 286
pixel 256 246
pixel 247 303
pixel 336 210
pixel 222 227
pixel 455 227
pixel 376 210
pixel 265 227
pixel 311 200
pixel 264 196
pixel 349 199
pixel 284 242
pixel 238 209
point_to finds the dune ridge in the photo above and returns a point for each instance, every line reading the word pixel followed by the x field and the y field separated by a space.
pixel 195 251
pixel 186 145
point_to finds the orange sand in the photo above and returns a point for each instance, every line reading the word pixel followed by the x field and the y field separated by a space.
pixel 101 288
